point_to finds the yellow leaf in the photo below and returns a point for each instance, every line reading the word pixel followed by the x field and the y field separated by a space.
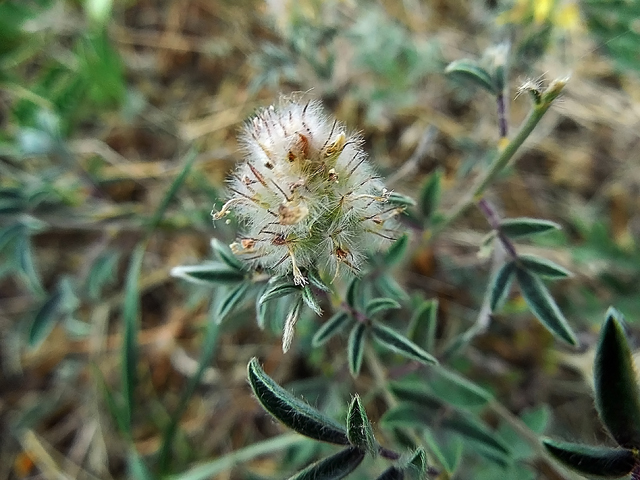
pixel 541 10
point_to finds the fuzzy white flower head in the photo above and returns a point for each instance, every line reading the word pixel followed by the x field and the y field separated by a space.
pixel 306 194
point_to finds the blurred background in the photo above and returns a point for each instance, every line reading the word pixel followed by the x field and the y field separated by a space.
pixel 105 103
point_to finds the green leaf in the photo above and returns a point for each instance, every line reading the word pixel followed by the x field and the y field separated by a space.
pixel 430 194
pixel 137 468
pixel 334 467
pixel 501 285
pixel 292 412
pixel 289 325
pixel 353 291
pixel 330 328
pixel 471 70
pixel 396 251
pixel 414 391
pixel 310 301
pixel 212 273
pixel 394 341
pixel 522 227
pixel 178 181
pixel 9 233
pixel 45 319
pixel 542 267
pixel 103 272
pixel 600 461
pixel 448 453
pixel 616 387
pixel 417 463
pixel 316 281
pixel 261 309
pixel 392 473
pixel 423 324
pixel 457 390
pixel 26 265
pixel 409 415
pixel 224 253
pixel 231 300
pixel 359 430
pixel 278 289
pixel 391 288
pixel 396 198
pixel 355 350
pixel 378 305
pixel 543 306
pixel 130 319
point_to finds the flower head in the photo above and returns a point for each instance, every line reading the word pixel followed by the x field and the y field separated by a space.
pixel 306 194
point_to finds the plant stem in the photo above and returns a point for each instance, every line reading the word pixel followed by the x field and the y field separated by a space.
pixel 227 462
pixel 495 168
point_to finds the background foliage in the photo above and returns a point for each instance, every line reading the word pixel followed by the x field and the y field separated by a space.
pixel 118 128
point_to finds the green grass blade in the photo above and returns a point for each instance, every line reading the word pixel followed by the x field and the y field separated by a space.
pixel 206 354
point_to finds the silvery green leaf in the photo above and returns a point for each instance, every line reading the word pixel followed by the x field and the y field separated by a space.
pixel 391 288
pixel 542 267
pixel 294 413
pixel 335 467
pixel 457 390
pixel 355 350
pixel 593 461
pixel 359 430
pixel 422 327
pixel 394 341
pixel 501 285
pixel 616 384
pixel 231 300
pixel 471 70
pixel 378 305
pixel 310 300
pixel 396 198
pixel 396 250
pixel 448 453
pixel 417 463
pixel 289 325
pixel 224 253
pixel 213 273
pixel 522 227
pixel 278 289
pixel 544 306
pixel 10 233
pixel 330 328
pixel 316 281
pixel 261 309
pixel 430 194
pixel 102 273
pixel 353 291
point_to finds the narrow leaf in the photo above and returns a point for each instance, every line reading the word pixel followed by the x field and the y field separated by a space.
pixel 616 387
pixel 543 306
pixel 448 453
pixel 261 309
pixel 352 293
pixel 103 271
pixel 457 390
pixel 416 392
pixel 232 299
pixel 45 319
pixel 378 305
pixel 277 290
pixel 355 350
pixel 417 463
pixel 316 281
pixel 213 273
pixel 130 319
pixel 330 328
pixel 311 301
pixel 522 227
pixel 289 325
pixel 600 461
pixel 392 473
pixel 471 70
pixel 430 194
pixel 359 430
pixel 391 288
pixel 396 198
pixel 501 285
pixel 294 413
pixel 396 250
pixel 542 267
pixel 423 324
pixel 224 253
pixel 394 341
pixel 335 467
pixel 173 189
pixel 138 470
